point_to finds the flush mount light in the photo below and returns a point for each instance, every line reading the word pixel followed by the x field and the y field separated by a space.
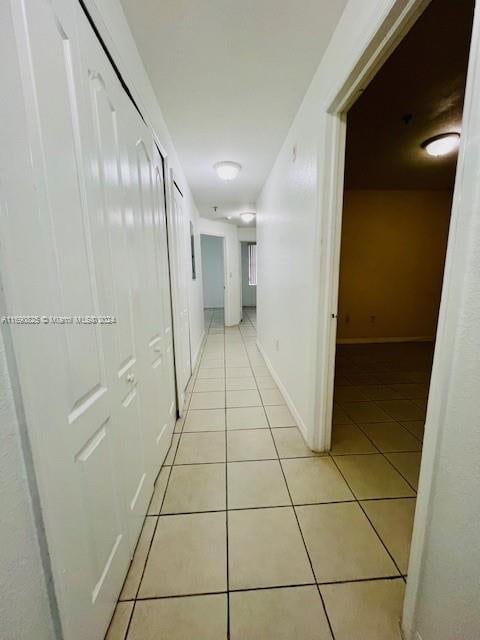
pixel 227 170
pixel 247 217
pixel 442 144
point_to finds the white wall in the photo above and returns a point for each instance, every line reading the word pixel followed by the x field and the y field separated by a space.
pixel 113 27
pixel 289 218
pixel 213 272
pixel 24 605
pixel 233 283
pixel 249 292
pixel 247 234
pixel 290 224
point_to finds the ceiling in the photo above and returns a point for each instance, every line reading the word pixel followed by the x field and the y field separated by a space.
pixel 229 77
pixel 417 94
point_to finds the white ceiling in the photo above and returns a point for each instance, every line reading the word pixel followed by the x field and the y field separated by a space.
pixel 229 76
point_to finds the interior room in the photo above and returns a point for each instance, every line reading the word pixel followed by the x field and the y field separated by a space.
pixel 248 253
pixel 395 224
pixel 213 277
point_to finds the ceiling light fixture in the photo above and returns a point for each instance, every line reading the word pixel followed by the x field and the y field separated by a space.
pixel 442 144
pixel 227 170
pixel 247 217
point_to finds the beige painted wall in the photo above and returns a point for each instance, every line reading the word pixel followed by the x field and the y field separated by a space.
pixel 391 265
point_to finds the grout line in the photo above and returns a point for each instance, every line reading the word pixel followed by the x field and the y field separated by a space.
pixel 368 518
pixel 226 499
pixel 300 531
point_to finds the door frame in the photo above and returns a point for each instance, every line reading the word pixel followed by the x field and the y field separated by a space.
pixel 225 271
pixel 388 31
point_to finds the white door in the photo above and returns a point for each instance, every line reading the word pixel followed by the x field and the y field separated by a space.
pixel 87 240
pixel 180 227
pixel 112 212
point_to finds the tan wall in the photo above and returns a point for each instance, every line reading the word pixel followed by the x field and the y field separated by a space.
pixel 391 264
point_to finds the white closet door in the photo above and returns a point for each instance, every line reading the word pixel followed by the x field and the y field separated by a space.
pixel 152 287
pixel 69 381
pixel 99 399
pixel 107 132
pixel 181 236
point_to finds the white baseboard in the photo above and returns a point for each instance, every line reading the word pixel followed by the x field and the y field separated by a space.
pixel 289 402
pixel 385 340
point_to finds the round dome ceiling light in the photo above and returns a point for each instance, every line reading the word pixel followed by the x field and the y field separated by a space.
pixel 227 170
pixel 247 217
pixel 442 144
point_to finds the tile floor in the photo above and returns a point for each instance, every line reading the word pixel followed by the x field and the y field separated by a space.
pixel 252 536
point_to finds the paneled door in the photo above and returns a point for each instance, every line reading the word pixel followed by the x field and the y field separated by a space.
pixel 109 134
pixel 182 263
pixel 85 250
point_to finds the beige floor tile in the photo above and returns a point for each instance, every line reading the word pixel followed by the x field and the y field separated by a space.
pixel 119 624
pixel 391 436
pixel 266 549
pixel 256 444
pixel 266 382
pixel 408 464
pixel 402 409
pixel 339 416
pixel 179 425
pixel 365 610
pixel 188 556
pixel 256 484
pixel 280 416
pixel 365 412
pixel 347 438
pixel 278 614
pixel 199 487
pixel 207 374
pixel 246 418
pixel 213 384
pixel 132 582
pixel 238 361
pixel 159 491
pixel 212 363
pixel 312 480
pixel 244 398
pixel 415 390
pixel 202 617
pixel 393 521
pixel 208 400
pixel 272 397
pixel 205 420
pixel 349 394
pixel 378 392
pixel 416 427
pixel 290 443
pixel 201 447
pixel 342 543
pixel 371 476
pixel 172 450
pixel 239 372
pixel 239 384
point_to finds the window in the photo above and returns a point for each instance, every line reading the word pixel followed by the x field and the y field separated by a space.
pixel 252 265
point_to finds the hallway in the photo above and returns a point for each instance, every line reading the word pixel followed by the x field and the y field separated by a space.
pixel 251 535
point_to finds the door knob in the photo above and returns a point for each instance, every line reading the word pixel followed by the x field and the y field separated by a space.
pixel 130 377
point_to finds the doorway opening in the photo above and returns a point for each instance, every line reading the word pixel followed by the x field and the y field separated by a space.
pixel 213 279
pixel 397 200
pixel 248 252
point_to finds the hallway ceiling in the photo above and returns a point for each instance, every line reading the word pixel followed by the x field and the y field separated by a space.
pixel 229 77
pixel 418 93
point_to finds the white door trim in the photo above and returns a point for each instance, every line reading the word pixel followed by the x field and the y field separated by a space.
pixel 390 27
